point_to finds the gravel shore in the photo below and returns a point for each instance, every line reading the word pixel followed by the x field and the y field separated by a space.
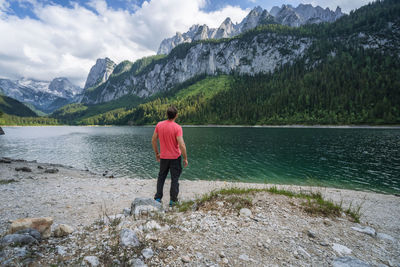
pixel 276 232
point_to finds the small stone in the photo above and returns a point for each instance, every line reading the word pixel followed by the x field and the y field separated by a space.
pixel 43 225
pixel 152 225
pixel 91 260
pixel 61 250
pixel 128 238
pixel 245 212
pixel 142 206
pixel 244 257
pixel 137 263
pixel 327 222
pixel 23 169
pixel 324 244
pixel 63 230
pixel 185 259
pixel 127 212
pixel 340 249
pixel 225 261
pixel 220 203
pixel 311 234
pixel 4 160
pixel 52 170
pixel 170 248
pixel 222 254
pixel 151 238
pixel 349 262
pixel 366 230
pixel 40 167
pixel 259 244
pixel 17 240
pixel 147 253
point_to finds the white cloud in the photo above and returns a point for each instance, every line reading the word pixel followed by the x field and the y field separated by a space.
pixel 67 41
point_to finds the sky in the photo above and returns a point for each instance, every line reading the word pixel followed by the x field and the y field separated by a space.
pixel 45 39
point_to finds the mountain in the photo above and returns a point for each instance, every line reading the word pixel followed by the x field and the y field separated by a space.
pixel 45 96
pixel 100 72
pixel 286 15
pixel 11 106
pixel 341 72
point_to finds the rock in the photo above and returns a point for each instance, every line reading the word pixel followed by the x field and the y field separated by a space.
pixel 40 167
pixel 52 170
pixel 1 131
pixel 137 263
pixel 128 238
pixel 349 262
pixel 244 257
pixel 43 225
pixel 127 211
pixel 222 254
pixel 340 249
pixel 91 260
pixel 385 236
pixel 5 160
pixel 61 250
pixel 63 230
pixel 170 248
pixel 220 203
pixel 145 205
pixel 23 169
pixel 17 240
pixel 366 230
pixel 225 261
pixel 151 238
pixel 185 259
pixel 311 234
pixel 303 252
pixel 147 253
pixel 245 212
pixel 152 225
pixel 32 232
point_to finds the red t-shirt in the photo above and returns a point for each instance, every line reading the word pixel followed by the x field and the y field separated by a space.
pixel 167 132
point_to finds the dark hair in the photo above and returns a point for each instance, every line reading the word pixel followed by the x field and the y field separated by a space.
pixel 171 112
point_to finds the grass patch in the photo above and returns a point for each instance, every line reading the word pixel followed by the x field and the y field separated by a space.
pixel 8 181
pixel 314 203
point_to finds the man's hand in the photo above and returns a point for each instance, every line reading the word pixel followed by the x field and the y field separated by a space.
pixel 158 157
pixel 185 163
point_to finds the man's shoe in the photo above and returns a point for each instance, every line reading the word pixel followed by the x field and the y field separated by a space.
pixel 172 203
pixel 158 199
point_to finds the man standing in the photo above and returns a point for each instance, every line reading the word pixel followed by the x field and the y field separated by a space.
pixel 172 146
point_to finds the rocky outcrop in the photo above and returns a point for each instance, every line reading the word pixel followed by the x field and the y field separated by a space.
pixel 260 54
pixel 285 15
pixel 1 131
pixel 100 72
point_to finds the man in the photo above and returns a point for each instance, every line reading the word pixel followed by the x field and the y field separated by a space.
pixel 172 146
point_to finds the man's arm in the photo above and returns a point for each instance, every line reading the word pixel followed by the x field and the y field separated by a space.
pixel 182 147
pixel 154 143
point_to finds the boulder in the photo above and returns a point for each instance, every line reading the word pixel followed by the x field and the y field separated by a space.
pixel 23 169
pixel 147 253
pixel 142 206
pixel 17 240
pixel 5 160
pixel 366 230
pixel 63 230
pixel 128 238
pixel 1 131
pixel 349 262
pixel 43 225
pixel 32 232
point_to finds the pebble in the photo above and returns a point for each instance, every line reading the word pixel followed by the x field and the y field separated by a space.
pixel 61 250
pixel 92 261
pixel 52 170
pixel 222 254
pixel 128 238
pixel 340 249
pixel 245 212
pixel 63 230
pixel 366 230
pixel 244 257
pixel 147 253
pixel 170 248
pixel 185 259
pixel 137 263
pixel 311 234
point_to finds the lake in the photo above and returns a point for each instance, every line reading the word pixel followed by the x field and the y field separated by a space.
pixel 355 158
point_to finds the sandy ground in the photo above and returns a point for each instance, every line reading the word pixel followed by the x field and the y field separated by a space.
pixel 78 197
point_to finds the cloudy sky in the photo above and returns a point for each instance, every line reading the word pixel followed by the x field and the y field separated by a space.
pixel 44 39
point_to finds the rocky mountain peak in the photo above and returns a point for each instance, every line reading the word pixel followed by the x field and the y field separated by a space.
pixel 63 87
pixel 100 72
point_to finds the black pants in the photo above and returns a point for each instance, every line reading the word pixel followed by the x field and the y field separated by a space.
pixel 175 167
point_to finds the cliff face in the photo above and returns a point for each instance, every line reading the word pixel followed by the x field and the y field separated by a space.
pixel 100 72
pixel 261 53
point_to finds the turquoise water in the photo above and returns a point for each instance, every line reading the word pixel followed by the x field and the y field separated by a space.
pixel 356 158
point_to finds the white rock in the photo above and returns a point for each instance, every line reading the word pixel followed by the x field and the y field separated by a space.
pixel 61 250
pixel 63 230
pixel 147 253
pixel 137 263
pixel 170 248
pixel 245 212
pixel 185 259
pixel 366 230
pixel 222 254
pixel 92 261
pixel 152 225
pixel 128 238
pixel 244 257
pixel 340 249
pixel 385 236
